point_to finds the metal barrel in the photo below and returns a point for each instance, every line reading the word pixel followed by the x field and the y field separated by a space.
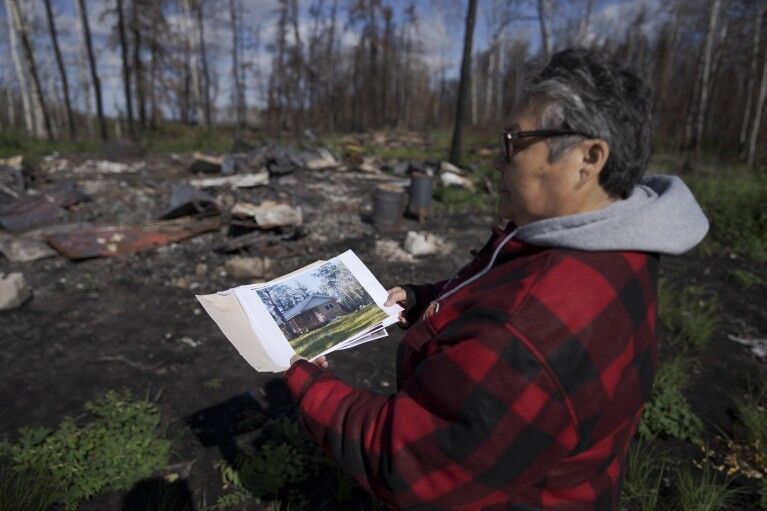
pixel 420 195
pixel 389 206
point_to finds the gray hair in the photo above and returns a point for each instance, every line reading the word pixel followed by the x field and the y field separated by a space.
pixel 586 91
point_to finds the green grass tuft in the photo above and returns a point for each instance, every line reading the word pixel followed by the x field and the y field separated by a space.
pixel 704 491
pixel 689 315
pixel 644 477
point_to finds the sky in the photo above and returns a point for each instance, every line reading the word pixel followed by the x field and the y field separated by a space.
pixel 441 31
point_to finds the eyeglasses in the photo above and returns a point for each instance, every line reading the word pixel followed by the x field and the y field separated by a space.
pixel 508 137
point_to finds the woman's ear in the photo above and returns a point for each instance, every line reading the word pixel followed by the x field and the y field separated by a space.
pixel 595 154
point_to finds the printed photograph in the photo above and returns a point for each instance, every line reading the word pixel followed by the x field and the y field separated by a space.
pixel 321 308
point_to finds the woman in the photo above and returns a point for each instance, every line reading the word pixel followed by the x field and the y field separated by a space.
pixel 522 379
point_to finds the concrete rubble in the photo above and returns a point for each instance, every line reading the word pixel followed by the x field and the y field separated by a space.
pixel 14 291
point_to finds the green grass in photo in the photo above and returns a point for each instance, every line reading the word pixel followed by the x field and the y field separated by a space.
pixel 315 342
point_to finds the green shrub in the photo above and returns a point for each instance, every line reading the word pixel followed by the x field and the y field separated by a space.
pixel 736 206
pixel 763 493
pixel 667 412
pixel 112 452
pixel 689 315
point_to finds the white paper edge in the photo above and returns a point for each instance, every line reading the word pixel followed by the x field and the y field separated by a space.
pixel 227 313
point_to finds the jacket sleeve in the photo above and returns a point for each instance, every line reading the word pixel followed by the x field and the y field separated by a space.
pixel 478 420
pixel 419 296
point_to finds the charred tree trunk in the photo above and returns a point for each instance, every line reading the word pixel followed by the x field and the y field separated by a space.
pixel 62 71
pixel 126 69
pixel 463 87
pixel 94 73
pixel 138 66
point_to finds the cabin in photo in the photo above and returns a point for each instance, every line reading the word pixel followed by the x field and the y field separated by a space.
pixel 312 312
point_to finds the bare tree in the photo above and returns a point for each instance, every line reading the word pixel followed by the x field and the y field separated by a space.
pixel 238 97
pixel 82 61
pixel 94 73
pixel 706 73
pixel 759 109
pixel 21 74
pixel 754 66
pixel 31 65
pixel 204 61
pixel 126 69
pixel 463 87
pixel 62 71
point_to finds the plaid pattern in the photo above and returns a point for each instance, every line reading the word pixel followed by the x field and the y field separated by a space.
pixel 520 392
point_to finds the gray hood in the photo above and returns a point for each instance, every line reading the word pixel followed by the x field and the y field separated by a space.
pixel 661 215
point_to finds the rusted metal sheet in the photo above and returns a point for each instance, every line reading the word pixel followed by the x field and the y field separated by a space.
pixel 32 211
pixel 119 241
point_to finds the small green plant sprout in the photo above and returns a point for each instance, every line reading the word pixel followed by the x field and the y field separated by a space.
pixel 116 449
pixel 213 384
pixel 745 278
pixel 667 412
pixel 703 490
pixel 689 315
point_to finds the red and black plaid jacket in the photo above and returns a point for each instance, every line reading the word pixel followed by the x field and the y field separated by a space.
pixel 520 391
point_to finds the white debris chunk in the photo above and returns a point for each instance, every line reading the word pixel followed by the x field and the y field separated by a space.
pixel 14 291
pixel 453 179
pixel 24 250
pixel 421 244
pixel 236 181
pixel 758 346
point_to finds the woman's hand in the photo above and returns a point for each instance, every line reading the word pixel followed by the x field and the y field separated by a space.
pixel 320 362
pixel 398 296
